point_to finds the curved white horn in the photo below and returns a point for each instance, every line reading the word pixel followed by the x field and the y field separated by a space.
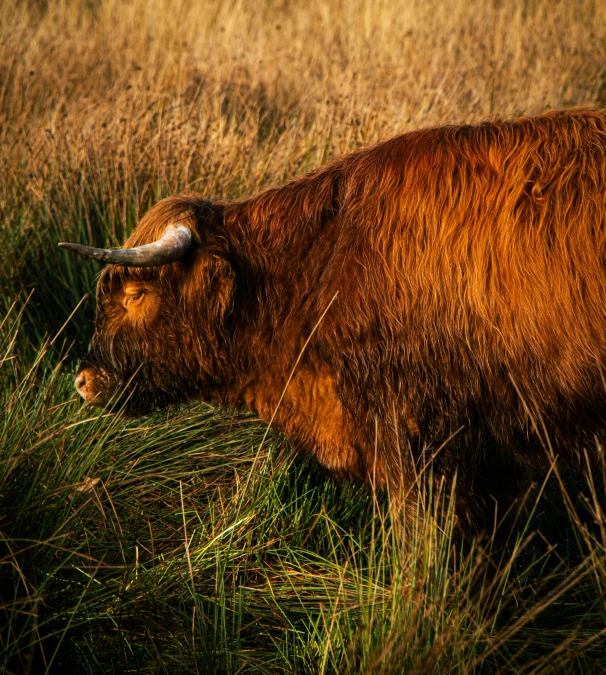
pixel 171 246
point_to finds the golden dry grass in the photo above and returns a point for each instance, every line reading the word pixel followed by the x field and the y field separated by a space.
pixel 227 97
pixel 105 107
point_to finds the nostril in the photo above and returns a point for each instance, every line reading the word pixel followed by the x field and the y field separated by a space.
pixel 80 383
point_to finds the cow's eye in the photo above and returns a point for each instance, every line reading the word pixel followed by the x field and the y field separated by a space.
pixel 133 297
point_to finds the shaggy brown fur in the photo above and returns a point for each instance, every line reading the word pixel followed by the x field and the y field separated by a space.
pixel 450 281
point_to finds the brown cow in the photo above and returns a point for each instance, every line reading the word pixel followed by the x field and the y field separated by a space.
pixel 449 283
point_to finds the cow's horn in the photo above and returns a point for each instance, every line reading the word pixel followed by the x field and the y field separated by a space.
pixel 173 244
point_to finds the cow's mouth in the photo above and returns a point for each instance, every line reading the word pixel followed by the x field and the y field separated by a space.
pixel 141 403
pixel 98 388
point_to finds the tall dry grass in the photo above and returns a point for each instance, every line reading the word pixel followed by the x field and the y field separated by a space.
pixel 195 551
pixel 226 97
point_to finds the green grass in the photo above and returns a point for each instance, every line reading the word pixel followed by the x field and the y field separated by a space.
pixel 189 542
pixel 192 540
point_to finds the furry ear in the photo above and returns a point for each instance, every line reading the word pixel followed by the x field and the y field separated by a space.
pixel 209 284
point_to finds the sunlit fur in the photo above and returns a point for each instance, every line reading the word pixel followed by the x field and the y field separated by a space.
pixel 463 269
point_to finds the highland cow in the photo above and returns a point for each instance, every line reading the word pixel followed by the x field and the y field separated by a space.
pixel 447 286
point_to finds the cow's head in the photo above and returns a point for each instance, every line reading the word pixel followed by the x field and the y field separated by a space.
pixel 161 308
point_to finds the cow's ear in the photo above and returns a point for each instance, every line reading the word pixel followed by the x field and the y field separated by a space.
pixel 209 284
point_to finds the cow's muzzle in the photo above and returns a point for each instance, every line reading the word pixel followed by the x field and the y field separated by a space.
pixel 93 385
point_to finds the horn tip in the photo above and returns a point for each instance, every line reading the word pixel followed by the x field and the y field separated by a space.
pixel 69 245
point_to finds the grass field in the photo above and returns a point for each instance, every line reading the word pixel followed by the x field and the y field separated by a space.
pixel 194 540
